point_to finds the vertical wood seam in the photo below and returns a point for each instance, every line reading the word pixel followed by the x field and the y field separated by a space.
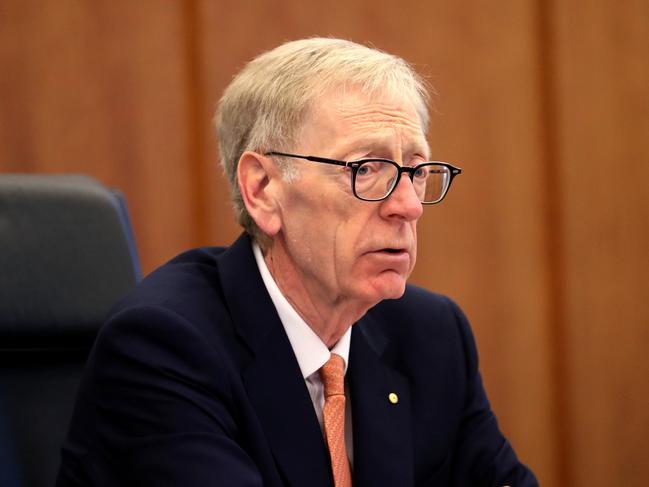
pixel 554 232
pixel 195 103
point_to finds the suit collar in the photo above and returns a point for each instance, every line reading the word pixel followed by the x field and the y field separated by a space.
pixel 245 294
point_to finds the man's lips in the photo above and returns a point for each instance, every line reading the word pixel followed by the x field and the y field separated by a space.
pixel 392 251
pixel 393 255
pixel 388 250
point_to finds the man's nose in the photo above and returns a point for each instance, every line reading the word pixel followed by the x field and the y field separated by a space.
pixel 403 202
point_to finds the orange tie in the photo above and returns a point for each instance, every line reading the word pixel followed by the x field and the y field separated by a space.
pixel 333 378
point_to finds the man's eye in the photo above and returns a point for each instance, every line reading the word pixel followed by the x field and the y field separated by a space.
pixel 420 173
pixel 363 170
pixel 373 168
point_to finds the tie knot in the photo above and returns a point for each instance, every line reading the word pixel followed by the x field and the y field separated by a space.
pixel 332 374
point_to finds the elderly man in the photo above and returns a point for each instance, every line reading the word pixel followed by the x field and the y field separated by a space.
pixel 299 356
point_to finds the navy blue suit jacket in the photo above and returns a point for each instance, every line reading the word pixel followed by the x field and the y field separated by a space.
pixel 193 382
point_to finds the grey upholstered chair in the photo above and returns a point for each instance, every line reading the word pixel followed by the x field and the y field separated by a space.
pixel 66 255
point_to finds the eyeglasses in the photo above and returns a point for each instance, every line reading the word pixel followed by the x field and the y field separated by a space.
pixel 375 179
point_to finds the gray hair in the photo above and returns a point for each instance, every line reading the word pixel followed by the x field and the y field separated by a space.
pixel 265 105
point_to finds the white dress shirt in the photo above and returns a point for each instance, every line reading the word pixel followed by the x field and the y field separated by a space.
pixel 311 352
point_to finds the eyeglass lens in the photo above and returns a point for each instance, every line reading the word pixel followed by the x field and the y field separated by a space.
pixel 375 179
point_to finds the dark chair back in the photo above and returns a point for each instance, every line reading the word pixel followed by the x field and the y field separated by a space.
pixel 66 255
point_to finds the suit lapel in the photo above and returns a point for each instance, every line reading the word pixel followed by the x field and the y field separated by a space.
pixel 273 379
pixel 279 395
pixel 381 429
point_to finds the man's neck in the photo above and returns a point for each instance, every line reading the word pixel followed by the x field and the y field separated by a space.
pixel 328 316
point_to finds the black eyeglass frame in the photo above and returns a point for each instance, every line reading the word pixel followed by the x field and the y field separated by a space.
pixel 356 165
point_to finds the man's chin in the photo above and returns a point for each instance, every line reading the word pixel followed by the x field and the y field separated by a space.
pixel 389 285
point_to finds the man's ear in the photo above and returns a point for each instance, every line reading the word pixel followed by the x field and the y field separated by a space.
pixel 258 178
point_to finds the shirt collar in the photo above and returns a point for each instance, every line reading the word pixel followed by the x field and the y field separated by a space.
pixel 310 351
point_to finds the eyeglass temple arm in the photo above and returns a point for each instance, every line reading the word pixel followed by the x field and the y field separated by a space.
pixel 309 158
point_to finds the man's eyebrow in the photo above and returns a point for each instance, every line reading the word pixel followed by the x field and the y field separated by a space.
pixel 380 145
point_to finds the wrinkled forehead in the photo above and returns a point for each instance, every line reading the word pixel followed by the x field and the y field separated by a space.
pixel 350 112
pixel 340 92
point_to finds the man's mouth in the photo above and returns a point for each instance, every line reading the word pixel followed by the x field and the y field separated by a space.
pixel 392 251
pixel 390 258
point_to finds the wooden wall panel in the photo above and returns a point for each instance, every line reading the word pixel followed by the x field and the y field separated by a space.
pixel 552 276
pixel 602 98
pixel 101 88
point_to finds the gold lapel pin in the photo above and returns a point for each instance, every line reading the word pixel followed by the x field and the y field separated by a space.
pixel 393 398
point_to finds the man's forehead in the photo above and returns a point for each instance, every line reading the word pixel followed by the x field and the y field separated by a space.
pixel 367 120
pixel 351 101
pixel 385 146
